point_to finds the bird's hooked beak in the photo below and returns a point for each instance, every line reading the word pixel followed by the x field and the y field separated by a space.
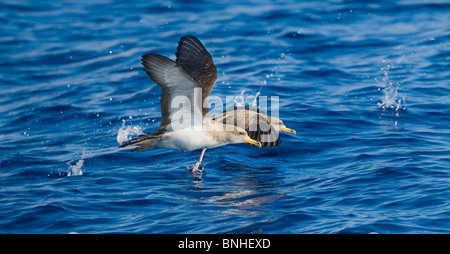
pixel 251 141
pixel 286 129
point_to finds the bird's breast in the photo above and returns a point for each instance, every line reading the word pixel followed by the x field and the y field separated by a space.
pixel 188 140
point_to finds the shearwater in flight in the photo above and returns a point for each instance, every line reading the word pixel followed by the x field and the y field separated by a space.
pixel 188 81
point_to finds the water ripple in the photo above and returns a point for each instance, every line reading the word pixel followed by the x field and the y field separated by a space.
pixel 364 85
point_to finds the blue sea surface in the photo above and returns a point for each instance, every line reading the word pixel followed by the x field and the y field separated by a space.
pixel 365 85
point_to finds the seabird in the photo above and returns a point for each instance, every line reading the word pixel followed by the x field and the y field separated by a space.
pixel 189 127
pixel 259 126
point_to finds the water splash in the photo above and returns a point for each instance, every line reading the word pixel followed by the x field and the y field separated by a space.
pixel 242 100
pixel 391 100
pixel 75 170
pixel 127 133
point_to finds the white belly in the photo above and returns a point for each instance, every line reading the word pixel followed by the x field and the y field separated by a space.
pixel 188 140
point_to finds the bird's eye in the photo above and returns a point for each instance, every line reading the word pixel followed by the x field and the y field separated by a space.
pixel 241 133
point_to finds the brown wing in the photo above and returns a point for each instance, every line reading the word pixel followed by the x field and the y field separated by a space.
pixel 195 59
pixel 255 123
pixel 260 129
pixel 174 81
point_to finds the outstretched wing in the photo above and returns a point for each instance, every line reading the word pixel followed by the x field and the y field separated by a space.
pixel 196 60
pixel 178 87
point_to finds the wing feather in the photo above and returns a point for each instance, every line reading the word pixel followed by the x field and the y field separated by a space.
pixel 196 60
pixel 255 123
pixel 178 87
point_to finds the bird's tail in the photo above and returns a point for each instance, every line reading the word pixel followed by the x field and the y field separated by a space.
pixel 143 142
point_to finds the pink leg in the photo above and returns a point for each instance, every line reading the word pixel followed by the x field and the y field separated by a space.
pixel 199 160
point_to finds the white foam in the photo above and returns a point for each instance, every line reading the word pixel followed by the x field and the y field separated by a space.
pixel 75 170
pixel 127 133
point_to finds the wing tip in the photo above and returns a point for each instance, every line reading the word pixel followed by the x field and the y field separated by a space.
pixel 155 66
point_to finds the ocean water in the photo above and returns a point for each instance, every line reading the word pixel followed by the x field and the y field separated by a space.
pixel 365 85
